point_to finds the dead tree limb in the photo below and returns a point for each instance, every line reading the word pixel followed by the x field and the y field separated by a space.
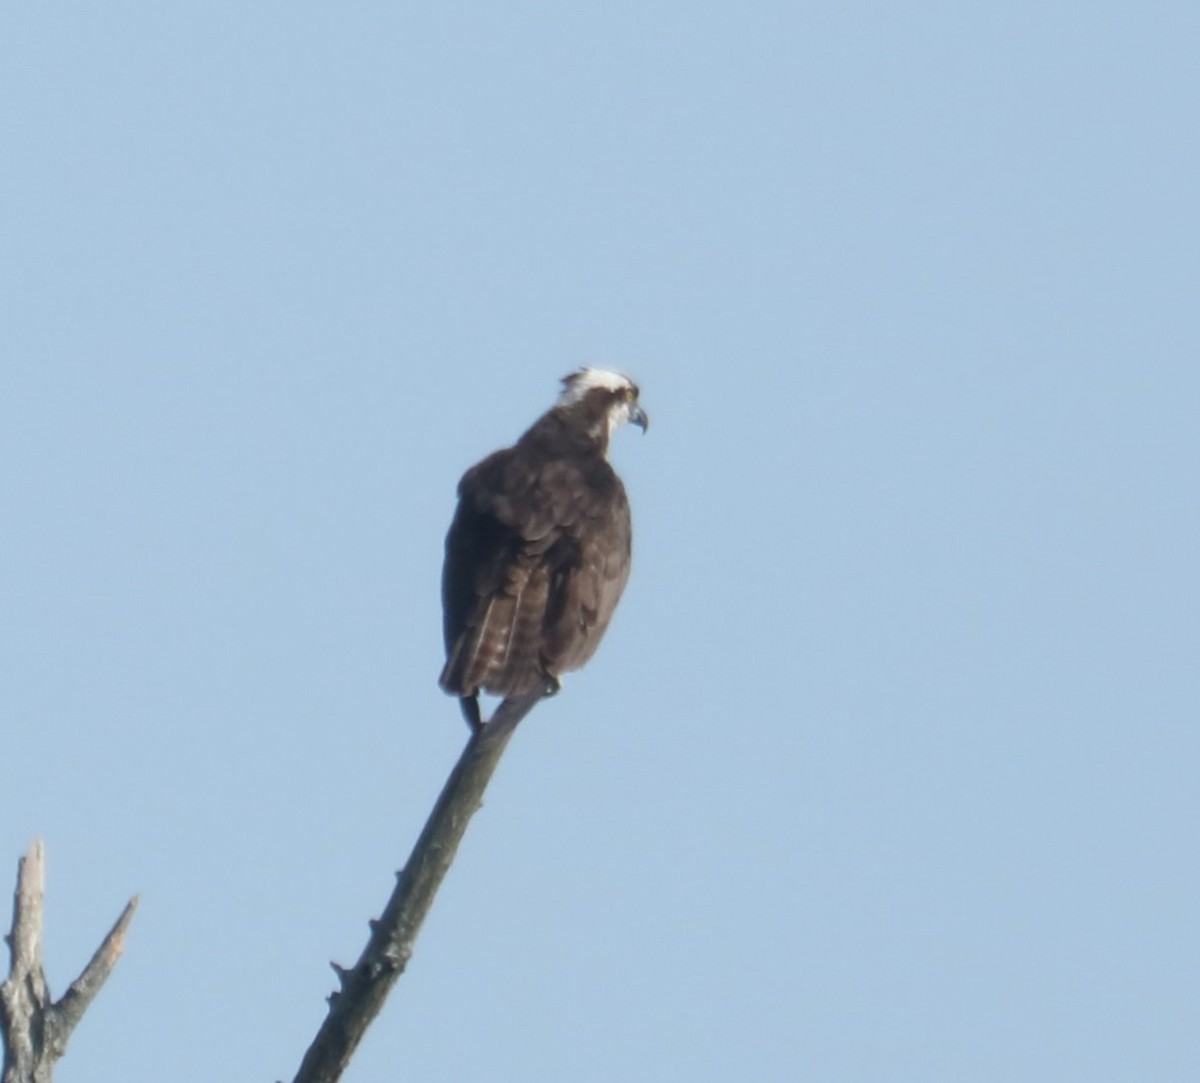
pixel 365 986
pixel 36 1028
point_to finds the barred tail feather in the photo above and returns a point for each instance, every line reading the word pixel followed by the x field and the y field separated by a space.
pixel 522 669
pixel 500 654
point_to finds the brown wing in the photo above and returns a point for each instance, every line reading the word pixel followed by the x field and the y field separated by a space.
pixel 583 600
pixel 536 559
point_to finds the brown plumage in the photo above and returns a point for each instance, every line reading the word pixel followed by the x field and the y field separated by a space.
pixel 539 549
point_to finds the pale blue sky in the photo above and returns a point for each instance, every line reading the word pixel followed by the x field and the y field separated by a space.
pixel 887 770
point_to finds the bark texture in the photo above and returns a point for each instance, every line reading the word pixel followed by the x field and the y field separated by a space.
pixel 36 1027
pixel 365 986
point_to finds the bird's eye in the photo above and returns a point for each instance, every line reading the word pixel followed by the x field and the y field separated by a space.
pixel 629 394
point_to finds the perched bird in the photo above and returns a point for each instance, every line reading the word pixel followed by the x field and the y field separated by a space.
pixel 539 549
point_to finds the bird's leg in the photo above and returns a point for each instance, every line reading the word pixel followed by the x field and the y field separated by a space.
pixel 470 710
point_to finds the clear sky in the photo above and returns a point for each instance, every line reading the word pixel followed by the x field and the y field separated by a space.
pixel 888 767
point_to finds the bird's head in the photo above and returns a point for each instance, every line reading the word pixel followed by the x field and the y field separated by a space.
pixel 609 397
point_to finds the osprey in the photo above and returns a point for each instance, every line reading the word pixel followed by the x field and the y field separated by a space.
pixel 538 552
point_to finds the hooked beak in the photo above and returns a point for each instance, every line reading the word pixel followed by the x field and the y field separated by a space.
pixel 637 416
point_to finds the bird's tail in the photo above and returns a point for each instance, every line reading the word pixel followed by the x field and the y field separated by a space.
pixel 499 653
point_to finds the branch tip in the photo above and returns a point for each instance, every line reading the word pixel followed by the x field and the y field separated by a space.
pixel 35 1028
pixel 392 935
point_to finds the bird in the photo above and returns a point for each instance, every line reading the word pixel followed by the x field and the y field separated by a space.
pixel 539 548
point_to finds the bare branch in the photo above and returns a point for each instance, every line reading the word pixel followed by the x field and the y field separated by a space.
pixel 66 1012
pixel 34 1029
pixel 24 996
pixel 365 986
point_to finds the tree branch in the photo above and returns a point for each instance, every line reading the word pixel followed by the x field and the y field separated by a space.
pixel 66 1012
pixel 36 1029
pixel 23 997
pixel 366 985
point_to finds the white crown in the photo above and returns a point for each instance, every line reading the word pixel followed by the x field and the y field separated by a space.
pixel 580 383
